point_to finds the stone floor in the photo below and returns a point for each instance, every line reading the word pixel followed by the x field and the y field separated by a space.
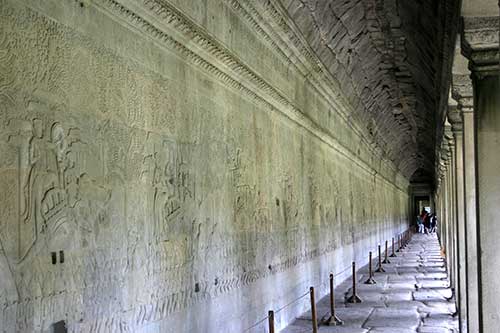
pixel 411 296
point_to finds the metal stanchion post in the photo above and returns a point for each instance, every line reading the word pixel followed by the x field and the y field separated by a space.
pixel 313 311
pixel 393 250
pixel 333 320
pixel 370 279
pixel 354 297
pixel 271 321
pixel 399 244
pixel 380 269
pixel 386 260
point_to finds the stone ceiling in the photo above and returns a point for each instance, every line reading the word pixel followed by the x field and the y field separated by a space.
pixel 390 58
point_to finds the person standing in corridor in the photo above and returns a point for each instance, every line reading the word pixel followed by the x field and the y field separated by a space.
pixel 433 223
pixel 423 216
pixel 420 225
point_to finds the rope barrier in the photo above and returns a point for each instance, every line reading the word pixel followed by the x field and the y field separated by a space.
pixel 295 300
pixel 256 324
pixel 343 271
pixel 400 241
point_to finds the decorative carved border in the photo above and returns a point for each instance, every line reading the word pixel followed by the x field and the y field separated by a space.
pixel 166 25
pixel 317 75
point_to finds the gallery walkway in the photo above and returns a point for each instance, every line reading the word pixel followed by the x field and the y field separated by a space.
pixel 413 295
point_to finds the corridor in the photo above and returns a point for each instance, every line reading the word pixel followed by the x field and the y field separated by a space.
pixel 196 166
pixel 411 296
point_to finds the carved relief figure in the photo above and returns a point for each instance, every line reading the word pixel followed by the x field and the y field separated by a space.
pixel 50 170
pixel 36 177
pixel 245 197
pixel 73 167
pixel 172 182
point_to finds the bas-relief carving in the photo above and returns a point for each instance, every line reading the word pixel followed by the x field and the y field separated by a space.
pixel 56 195
pixel 76 183
pixel 167 170
pixel 48 178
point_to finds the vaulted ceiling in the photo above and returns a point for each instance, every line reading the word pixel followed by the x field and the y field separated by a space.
pixel 391 59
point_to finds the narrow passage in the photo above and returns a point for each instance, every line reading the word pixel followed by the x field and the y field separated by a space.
pixel 413 295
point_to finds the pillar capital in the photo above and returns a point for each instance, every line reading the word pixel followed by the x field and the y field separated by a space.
pixel 448 133
pixel 480 40
pixel 462 92
pixel 455 119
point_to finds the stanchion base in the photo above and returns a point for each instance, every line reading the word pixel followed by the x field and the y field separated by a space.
pixel 393 255
pixel 370 280
pixel 386 261
pixel 354 299
pixel 332 321
pixel 380 269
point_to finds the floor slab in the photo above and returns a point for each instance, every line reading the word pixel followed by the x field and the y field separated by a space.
pixel 413 295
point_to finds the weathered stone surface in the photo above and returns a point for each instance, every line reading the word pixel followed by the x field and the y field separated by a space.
pixel 388 56
pixel 177 166
pixel 392 317
pixel 400 304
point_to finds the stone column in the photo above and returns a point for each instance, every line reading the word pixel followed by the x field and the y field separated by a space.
pixel 450 209
pixel 441 212
pixel 455 119
pixel 488 186
pixel 480 44
pixel 488 171
pixel 462 93
pixel 445 209
pixel 453 221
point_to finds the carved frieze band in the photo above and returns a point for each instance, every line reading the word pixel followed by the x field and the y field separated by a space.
pixel 165 24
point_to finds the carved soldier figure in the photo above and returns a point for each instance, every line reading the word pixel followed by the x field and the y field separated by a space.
pixel 41 176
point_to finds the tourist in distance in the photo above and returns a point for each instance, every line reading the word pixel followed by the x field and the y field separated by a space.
pixel 423 216
pixel 433 223
pixel 427 223
pixel 420 225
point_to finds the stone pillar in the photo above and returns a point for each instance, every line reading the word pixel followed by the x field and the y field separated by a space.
pixel 442 209
pixel 488 185
pixel 462 93
pixel 445 209
pixel 480 44
pixel 439 211
pixel 453 221
pixel 450 211
pixel 455 119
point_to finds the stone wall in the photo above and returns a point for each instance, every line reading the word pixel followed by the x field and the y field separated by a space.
pixel 175 166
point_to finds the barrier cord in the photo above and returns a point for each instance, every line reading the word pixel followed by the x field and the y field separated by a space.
pixel 343 271
pixel 256 324
pixel 295 300
pixel 299 298
pixel 290 303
